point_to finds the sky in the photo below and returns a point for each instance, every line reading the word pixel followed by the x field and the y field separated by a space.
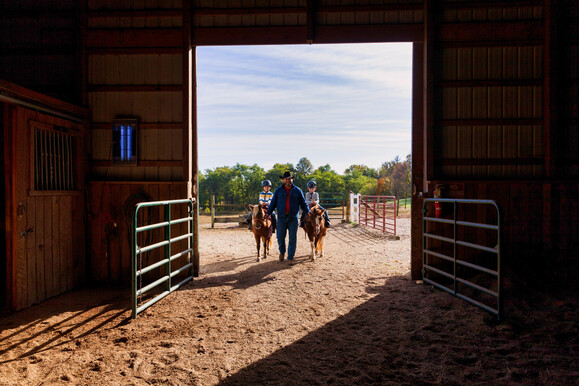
pixel 340 104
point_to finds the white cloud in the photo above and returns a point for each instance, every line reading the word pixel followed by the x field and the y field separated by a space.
pixel 335 104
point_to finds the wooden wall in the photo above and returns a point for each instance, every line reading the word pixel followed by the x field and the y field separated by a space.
pixel 109 223
pixel 45 229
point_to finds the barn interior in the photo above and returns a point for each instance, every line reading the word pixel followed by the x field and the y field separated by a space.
pixel 495 117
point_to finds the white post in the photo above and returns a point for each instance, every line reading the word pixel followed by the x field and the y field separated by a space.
pixel 354 208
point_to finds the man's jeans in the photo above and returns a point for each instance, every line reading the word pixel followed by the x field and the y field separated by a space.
pixel 287 224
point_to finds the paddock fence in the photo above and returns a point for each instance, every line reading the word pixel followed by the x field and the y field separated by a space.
pixel 376 212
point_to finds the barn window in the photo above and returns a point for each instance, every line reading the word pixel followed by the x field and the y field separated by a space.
pixel 124 140
pixel 54 152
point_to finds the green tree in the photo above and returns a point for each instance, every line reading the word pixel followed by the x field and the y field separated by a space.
pixel 246 183
pixel 400 179
pixel 304 170
pixel 216 182
pixel 386 168
pixel 276 171
pixel 360 176
pixel 328 180
pixel 325 168
pixel 363 170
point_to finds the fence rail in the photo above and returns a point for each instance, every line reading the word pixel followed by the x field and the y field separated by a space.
pixel 334 204
pixel 167 258
pixel 238 218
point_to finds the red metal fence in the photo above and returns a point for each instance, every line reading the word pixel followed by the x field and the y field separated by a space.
pixel 378 212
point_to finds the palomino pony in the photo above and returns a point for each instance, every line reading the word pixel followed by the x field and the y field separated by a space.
pixel 261 228
pixel 315 227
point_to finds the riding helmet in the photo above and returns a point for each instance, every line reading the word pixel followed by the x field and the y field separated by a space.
pixel 266 183
pixel 312 184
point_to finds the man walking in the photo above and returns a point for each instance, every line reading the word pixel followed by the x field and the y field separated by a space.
pixel 287 200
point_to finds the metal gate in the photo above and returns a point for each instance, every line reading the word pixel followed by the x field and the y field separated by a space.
pixel 378 212
pixel 461 250
pixel 174 229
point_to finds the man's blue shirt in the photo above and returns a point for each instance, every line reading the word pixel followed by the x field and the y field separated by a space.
pixel 296 201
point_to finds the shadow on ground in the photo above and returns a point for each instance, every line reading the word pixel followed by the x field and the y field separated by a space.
pixel 410 333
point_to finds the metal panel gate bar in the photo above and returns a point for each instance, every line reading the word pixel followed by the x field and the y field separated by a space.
pixel 428 269
pixel 378 212
pixel 138 271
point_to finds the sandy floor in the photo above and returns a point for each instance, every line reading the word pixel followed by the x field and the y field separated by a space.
pixel 352 317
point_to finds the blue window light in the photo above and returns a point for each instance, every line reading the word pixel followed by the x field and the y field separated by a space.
pixel 124 141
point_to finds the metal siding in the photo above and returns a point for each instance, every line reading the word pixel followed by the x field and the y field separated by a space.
pixel 136 69
pixel 484 61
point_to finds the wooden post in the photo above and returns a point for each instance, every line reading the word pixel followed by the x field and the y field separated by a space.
pixel 348 199
pixel 212 212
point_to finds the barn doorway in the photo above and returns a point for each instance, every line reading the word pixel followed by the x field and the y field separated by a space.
pixel 334 104
pixel 3 252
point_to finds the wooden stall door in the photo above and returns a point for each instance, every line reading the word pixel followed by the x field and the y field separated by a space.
pixel 50 224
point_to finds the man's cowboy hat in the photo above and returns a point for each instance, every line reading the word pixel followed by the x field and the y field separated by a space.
pixel 287 174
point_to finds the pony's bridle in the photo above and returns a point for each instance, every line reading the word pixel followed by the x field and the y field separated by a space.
pixel 258 221
pixel 311 218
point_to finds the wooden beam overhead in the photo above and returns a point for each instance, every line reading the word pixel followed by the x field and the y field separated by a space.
pixel 13 91
pixel 299 34
pixel 248 35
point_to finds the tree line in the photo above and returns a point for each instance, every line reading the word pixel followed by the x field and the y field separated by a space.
pixel 241 184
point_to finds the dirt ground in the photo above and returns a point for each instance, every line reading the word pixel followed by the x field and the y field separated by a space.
pixel 353 317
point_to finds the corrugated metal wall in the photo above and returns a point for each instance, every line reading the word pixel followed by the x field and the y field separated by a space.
pixel 40 46
pixel 502 108
pixel 221 22
pixel 488 120
pixel 135 69
pixel 566 98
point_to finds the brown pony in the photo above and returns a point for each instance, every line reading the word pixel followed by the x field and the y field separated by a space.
pixel 315 227
pixel 261 228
